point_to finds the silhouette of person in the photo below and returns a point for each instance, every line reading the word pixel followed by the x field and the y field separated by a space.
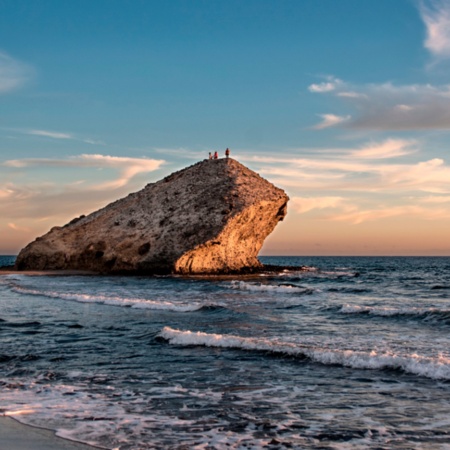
pixel 227 152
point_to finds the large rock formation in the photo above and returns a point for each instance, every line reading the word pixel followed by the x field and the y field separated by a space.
pixel 211 217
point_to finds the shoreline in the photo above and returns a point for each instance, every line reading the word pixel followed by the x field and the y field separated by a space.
pixel 15 435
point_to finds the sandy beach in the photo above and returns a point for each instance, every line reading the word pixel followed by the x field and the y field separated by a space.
pixel 16 436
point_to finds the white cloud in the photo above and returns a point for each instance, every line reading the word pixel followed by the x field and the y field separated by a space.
pixel 50 134
pixel 390 148
pixel 351 94
pixel 129 167
pixel 328 86
pixel 436 16
pixel 322 87
pixel 330 120
pixel 13 73
pixel 60 135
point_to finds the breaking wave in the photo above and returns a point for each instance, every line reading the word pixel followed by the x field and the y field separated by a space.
pixel 137 303
pixel 436 368
pixel 430 314
pixel 283 288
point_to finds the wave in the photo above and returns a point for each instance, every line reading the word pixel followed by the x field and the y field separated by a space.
pixel 315 271
pixel 431 314
pixel 440 287
pixel 283 288
pixel 136 303
pixel 436 368
pixel 32 324
pixel 346 290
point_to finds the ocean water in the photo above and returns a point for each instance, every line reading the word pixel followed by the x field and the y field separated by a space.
pixel 351 353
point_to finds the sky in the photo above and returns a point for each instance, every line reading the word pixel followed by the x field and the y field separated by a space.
pixel 343 104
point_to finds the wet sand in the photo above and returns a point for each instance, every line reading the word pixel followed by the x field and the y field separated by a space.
pixel 16 436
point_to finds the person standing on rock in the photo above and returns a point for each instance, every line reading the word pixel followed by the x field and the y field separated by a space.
pixel 227 152
pixel 216 155
pixel 210 155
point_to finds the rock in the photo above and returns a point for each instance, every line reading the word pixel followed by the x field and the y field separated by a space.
pixel 211 217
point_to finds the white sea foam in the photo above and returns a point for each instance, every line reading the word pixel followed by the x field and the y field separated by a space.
pixel 263 287
pixel 436 368
pixel 390 311
pixel 137 303
pixel 130 422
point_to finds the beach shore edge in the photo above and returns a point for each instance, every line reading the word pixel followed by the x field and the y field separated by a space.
pixel 15 435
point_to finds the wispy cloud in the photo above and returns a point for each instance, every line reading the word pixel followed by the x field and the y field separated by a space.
pixel 390 148
pixel 305 204
pixel 374 181
pixel 349 175
pixel 50 134
pixel 49 203
pixel 435 199
pixel 127 167
pixel 411 211
pixel 13 73
pixel 61 135
pixel 16 227
pixel 330 120
pixel 390 107
pixel 436 16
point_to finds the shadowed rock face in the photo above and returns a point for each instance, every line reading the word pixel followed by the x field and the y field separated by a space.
pixel 211 217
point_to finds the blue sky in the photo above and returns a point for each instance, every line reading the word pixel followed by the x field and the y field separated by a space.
pixel 344 104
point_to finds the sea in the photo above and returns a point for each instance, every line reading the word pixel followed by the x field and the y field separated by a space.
pixel 345 353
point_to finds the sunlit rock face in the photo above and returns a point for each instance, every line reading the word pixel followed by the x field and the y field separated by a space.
pixel 212 217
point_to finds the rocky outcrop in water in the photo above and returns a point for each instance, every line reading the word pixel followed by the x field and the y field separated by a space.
pixel 212 217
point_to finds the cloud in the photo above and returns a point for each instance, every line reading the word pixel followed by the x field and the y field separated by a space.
pixel 350 94
pixel 330 85
pixel 435 199
pixel 436 16
pixel 5 193
pixel 305 204
pixel 345 174
pixel 330 120
pixel 411 211
pixel 361 184
pixel 41 201
pixel 93 141
pixel 50 134
pixel 13 73
pixel 15 227
pixel 390 148
pixel 60 135
pixel 390 107
pixel 127 167
pixel 41 204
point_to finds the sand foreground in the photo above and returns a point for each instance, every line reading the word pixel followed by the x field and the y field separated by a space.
pixel 16 436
